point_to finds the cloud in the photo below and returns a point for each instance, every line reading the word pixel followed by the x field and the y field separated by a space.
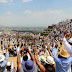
pixel 3 1
pixel 10 2
pixel 54 11
pixel 27 0
pixel 35 19
pixel 27 12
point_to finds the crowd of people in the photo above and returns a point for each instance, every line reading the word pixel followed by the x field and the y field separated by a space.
pixel 36 53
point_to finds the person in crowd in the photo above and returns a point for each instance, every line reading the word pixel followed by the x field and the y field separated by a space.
pixel 17 49
pixel 50 65
pixel 62 60
pixel 14 47
pixel 3 60
pixel 10 66
pixel 29 65
pixel 25 57
pixel 4 51
pixel 68 45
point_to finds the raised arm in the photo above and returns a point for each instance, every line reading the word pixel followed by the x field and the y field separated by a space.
pixel 41 67
pixel 67 45
pixel 7 57
pixel 48 48
pixel 18 60
pixel 20 69
pixel 31 55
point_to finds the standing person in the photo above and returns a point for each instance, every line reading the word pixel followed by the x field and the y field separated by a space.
pixel 63 61
pixel 68 45
pixel 2 61
pixel 10 66
pixel 50 65
pixel 29 65
pixel 17 49
pixel 29 47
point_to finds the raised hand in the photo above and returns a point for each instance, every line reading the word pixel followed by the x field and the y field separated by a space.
pixel 48 47
pixel 35 49
pixel 6 48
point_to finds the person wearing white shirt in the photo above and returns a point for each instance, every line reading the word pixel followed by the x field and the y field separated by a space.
pixel 14 48
pixel 67 45
pixel 29 47
pixel 10 66
pixel 4 51
pixel 17 49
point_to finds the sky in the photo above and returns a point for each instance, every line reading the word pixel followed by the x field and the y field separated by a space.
pixel 34 13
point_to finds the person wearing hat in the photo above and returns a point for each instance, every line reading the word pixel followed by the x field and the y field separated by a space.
pixel 29 65
pixel 68 45
pixel 49 65
pixel 10 66
pixel 63 60
pixel 3 60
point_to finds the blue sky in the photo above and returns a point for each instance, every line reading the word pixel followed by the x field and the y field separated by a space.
pixel 34 13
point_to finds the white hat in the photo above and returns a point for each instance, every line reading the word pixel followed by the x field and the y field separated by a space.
pixel 42 58
pixel 50 60
pixel 2 57
pixel 70 40
pixel 8 64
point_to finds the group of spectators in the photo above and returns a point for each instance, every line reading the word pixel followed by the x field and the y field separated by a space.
pixel 36 53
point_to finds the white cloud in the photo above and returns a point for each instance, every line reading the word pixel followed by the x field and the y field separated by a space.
pixel 3 1
pixel 9 13
pixel 39 18
pixel 10 2
pixel 27 0
pixel 27 12
pixel 54 11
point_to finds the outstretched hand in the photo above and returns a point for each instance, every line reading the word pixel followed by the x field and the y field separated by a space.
pixel 48 47
pixel 6 48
